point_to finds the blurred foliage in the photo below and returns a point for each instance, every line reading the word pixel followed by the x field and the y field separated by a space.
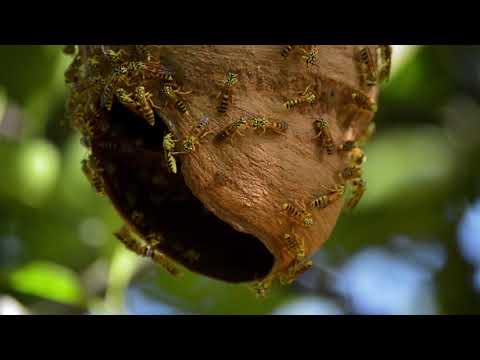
pixel 58 255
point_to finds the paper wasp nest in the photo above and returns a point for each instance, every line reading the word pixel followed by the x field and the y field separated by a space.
pixel 257 133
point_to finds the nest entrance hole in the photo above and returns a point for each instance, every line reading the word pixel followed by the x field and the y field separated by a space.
pixel 139 182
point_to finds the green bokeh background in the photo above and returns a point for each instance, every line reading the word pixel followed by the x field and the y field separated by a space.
pixel 58 255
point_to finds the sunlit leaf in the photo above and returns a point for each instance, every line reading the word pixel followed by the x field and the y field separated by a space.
pixel 49 281
pixel 38 165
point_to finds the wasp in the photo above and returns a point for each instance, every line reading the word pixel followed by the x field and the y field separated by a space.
pixel 262 123
pixel 113 146
pixel 172 93
pixel 369 132
pixel 368 65
pixel 232 129
pixel 168 149
pixel 69 49
pixel 261 288
pixel 295 245
pixel 287 50
pixel 132 243
pixel 191 256
pixel 303 216
pixel 310 57
pixel 72 72
pixel 164 74
pixel 350 173
pixel 294 271
pixel 325 200
pixel 145 104
pixel 347 146
pixel 93 172
pixel 154 239
pixel 169 143
pixel 146 250
pixel 231 79
pixel 359 188
pixel 306 97
pixel 357 156
pixel 354 152
pixel 364 102
pixel 137 217
pixel 195 137
pixel 386 59
pixel 162 259
pixel 115 56
pixel 126 99
pixel 144 52
pixel 325 135
pixel 108 92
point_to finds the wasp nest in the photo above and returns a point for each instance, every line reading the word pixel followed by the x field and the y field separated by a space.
pixel 230 160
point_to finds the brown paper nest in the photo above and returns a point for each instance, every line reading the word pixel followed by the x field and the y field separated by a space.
pixel 221 215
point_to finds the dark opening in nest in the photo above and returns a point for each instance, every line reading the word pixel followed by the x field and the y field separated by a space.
pixel 138 182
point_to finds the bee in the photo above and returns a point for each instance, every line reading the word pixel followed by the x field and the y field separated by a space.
pixel 325 200
pixel 262 123
pixel 369 66
pixel 310 57
pixel 364 102
pixel 69 49
pixel 294 271
pixel 108 92
pixel 325 135
pixel 359 188
pixel 171 94
pixel 196 135
pixel 287 50
pixel 145 104
pixel 146 250
pixel 168 148
pixel 295 246
pixel 232 129
pixel 225 95
pixel 386 58
pixel 350 173
pixel 93 173
pixel 354 152
pixel 306 97
pixel 303 216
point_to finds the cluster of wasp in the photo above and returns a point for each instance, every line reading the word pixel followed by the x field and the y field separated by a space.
pixel 96 82
pixel 259 123
pixel 374 67
pixel 125 83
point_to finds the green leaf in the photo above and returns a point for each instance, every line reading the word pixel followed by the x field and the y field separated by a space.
pixel 49 281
